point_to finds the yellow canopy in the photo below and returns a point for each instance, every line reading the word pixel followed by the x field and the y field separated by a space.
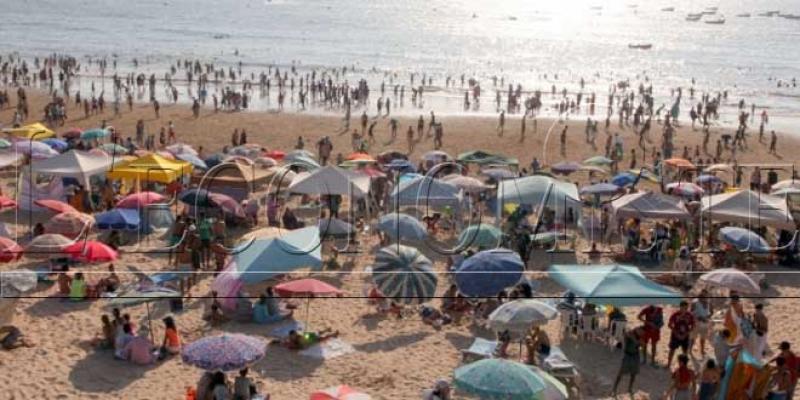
pixel 35 130
pixel 150 168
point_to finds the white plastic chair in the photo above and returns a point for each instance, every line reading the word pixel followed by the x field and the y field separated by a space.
pixel 587 330
pixel 569 322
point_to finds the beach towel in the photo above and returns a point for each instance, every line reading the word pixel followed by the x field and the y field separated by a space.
pixel 282 331
pixel 328 349
pixel 741 373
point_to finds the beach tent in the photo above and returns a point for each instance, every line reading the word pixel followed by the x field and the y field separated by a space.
pixel 617 285
pixel 151 168
pixel 8 158
pixel 262 259
pixel 533 190
pixel 118 218
pixel 234 178
pixel 35 131
pixel 331 180
pixel 75 164
pixel 481 157
pixel 748 207
pixel 426 191
pixel 649 205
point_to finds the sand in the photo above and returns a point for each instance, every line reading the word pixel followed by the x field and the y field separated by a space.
pixel 393 359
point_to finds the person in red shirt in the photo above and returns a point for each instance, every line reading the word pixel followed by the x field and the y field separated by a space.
pixel 653 318
pixel 684 381
pixel 792 363
pixel 681 323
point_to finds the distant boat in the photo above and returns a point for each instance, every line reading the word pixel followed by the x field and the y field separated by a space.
pixel 694 17
pixel 790 16
pixel 668 9
pixel 512 18
pixel 640 46
pixel 769 14
pixel 597 7
pixel 716 21
pixel 743 15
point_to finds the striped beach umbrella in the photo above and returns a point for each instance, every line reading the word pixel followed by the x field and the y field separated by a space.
pixel 404 274
pixel 227 352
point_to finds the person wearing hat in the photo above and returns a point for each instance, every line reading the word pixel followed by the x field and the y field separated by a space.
pixel 440 391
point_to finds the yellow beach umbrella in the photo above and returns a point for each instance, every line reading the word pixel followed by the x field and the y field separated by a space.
pixel 36 131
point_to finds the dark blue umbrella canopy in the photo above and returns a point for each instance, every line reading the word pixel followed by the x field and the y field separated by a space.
pixel 488 272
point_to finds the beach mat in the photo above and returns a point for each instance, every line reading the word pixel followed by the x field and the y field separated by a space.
pixel 329 349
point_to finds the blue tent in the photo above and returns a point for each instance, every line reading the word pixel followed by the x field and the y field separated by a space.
pixel 262 259
pixel 408 227
pixel 56 144
pixel 487 273
pixel 118 218
pixel 623 179
pixel 617 285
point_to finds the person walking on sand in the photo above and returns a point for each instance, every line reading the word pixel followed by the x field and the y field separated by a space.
pixel 773 143
pixel 438 136
pixel 420 126
pixel 564 141
pixel 410 139
pixel 522 130
pixel 364 120
pixel 501 124
pixel 431 124
pixel 630 359
pixel 393 126
pixel 156 108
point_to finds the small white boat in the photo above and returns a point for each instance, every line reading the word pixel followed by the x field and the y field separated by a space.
pixel 694 17
pixel 743 15
pixel 640 46
pixel 790 16
pixel 769 14
pixel 668 9
pixel 716 21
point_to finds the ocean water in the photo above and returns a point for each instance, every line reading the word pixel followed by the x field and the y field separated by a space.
pixel 523 41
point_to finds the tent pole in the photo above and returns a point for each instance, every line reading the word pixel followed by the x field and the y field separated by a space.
pixel 150 322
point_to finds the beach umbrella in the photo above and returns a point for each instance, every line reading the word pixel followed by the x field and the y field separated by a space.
pixel 481 235
pixel 6 202
pixel 486 273
pixel 335 227
pixel 9 250
pixel 786 192
pixel 275 154
pixel 227 203
pixel 181 148
pixel 141 199
pixel 306 288
pixel 598 161
pixel 743 239
pixel 55 205
pixel 645 174
pixel 72 133
pixel 94 134
pixel 341 392
pixel 214 160
pixel 719 168
pixel 550 237
pixel 594 169
pixel 43 246
pixel 249 151
pixel 500 379
pixel 5 144
pixel 404 274
pixel 499 174
pixel 113 148
pixel 600 189
pixel 679 163
pixel 196 197
pixel 371 172
pixel 466 183
pixel 226 352
pixel 401 165
pixel 565 167
pixel 436 156
pixel 408 177
pixel 706 179
pixel 263 257
pixel 519 316
pixel 56 144
pixel 617 285
pixel 623 179
pixel 684 189
pixel 359 156
pixel 118 218
pixel 34 149
pixel 192 159
pixel 137 295
pixel 91 251
pixel 731 279
pixel 263 161
pixel 787 184
pixel 389 155
pixel 165 154
pixel 402 226
pixel 70 224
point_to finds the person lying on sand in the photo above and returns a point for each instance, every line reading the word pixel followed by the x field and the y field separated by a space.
pixel 11 338
pixel 433 317
pixel 298 341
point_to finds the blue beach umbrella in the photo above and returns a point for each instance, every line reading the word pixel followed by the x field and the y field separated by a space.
pixel 744 239
pixel 263 259
pixel 488 272
pixel 484 236
pixel 93 134
pixel 56 144
pixel 408 227
pixel 623 179
pixel 118 218
pixel 196 198
pixel 500 379
pixel 400 165
pixel 703 179
pixel 404 274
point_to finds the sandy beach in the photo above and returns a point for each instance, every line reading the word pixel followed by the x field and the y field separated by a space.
pixel 392 358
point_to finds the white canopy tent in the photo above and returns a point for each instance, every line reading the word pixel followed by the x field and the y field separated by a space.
pixel 426 191
pixel 331 180
pixel 540 191
pixel 649 205
pixel 748 207
pixel 74 164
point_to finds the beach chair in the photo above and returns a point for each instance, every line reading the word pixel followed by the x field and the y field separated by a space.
pixel 559 366
pixel 480 349
pixel 587 329
pixel 569 322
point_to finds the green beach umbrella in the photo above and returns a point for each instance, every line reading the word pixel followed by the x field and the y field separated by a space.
pixel 4 144
pixel 93 134
pixel 598 161
pixel 499 379
pixel 484 236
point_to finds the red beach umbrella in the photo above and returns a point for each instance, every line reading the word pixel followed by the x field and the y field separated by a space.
pixel 141 199
pixel 91 251
pixel 9 250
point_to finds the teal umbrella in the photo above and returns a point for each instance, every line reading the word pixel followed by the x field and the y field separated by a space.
pixel 138 295
pixel 484 236
pixel 4 144
pixel 617 285
pixel 404 274
pixel 93 134
pixel 598 161
pixel 402 226
pixel 499 379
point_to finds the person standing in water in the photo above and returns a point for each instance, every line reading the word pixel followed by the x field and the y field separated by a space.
pixel 522 130
pixel 501 123
pixel 773 142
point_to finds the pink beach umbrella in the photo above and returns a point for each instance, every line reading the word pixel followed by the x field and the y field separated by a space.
pixel 685 189
pixel 141 199
pixel 69 224
pixel 56 206
pixel 227 204
pixel 47 245
pixel 6 202
pixel 341 392
pixel 9 250
pixel 91 251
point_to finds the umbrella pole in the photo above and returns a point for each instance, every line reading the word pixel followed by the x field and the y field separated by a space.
pixel 308 306
pixel 149 322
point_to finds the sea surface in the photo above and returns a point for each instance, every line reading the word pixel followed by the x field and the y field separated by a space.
pixel 528 42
